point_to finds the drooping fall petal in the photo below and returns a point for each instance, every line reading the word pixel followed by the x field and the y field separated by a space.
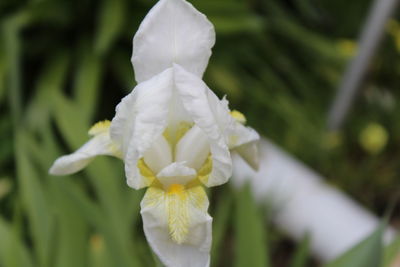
pixel 99 144
pixel 177 225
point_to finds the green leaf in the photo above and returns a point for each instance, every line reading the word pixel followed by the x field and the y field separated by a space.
pixel 220 224
pixel 250 244
pixel 302 252
pixel 13 253
pixel 70 121
pixel 72 231
pixel 34 200
pixel 50 81
pixel 392 252
pixel 120 253
pixel 87 81
pixel 3 72
pixel 368 253
pixel 239 24
pixel 111 20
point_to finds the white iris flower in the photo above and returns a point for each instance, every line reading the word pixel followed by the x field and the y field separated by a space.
pixel 172 132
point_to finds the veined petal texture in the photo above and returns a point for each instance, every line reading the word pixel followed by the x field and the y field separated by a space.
pixel 177 226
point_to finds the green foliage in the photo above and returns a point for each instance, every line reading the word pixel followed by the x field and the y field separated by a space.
pixel 250 243
pixel 65 64
pixel 368 253
pixel 391 252
pixel 302 252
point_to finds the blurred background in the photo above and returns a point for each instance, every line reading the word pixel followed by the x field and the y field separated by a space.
pixel 64 65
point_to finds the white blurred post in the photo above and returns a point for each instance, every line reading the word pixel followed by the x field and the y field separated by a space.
pixel 369 40
pixel 303 203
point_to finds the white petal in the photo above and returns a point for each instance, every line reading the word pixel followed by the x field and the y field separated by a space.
pixel 100 144
pixel 176 173
pixel 140 120
pixel 122 124
pixel 193 148
pixel 221 113
pixel 245 141
pixel 157 207
pixel 249 152
pixel 239 137
pixel 172 32
pixel 159 155
pixel 242 135
pixel 194 94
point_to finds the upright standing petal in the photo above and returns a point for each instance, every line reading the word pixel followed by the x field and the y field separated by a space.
pixel 194 94
pixel 193 148
pixel 172 32
pixel 140 120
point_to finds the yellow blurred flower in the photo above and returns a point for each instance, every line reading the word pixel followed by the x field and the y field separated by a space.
pixel 347 48
pixel 96 243
pixel 333 140
pixel 373 138
pixel 393 28
pixel 5 187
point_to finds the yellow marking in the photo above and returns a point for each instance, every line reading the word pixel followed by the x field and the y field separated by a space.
pixel 198 197
pixel 193 183
pixel 176 189
pixel 178 214
pixel 182 130
pixel 238 116
pixel 205 170
pixel 153 196
pixel 173 138
pixel 166 135
pixel 99 127
pixel 180 205
pixel 145 171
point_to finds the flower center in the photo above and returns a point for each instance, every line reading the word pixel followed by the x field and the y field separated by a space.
pixel 174 161
pixel 176 189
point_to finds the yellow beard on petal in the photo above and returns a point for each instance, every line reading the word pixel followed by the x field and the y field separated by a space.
pixel 178 214
pixel 181 204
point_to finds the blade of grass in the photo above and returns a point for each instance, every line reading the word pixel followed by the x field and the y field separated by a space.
pixel 111 20
pixel 13 253
pixel 368 253
pixel 87 80
pixel 392 253
pixel 250 244
pixel 302 252
pixel 220 224
pixel 35 202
